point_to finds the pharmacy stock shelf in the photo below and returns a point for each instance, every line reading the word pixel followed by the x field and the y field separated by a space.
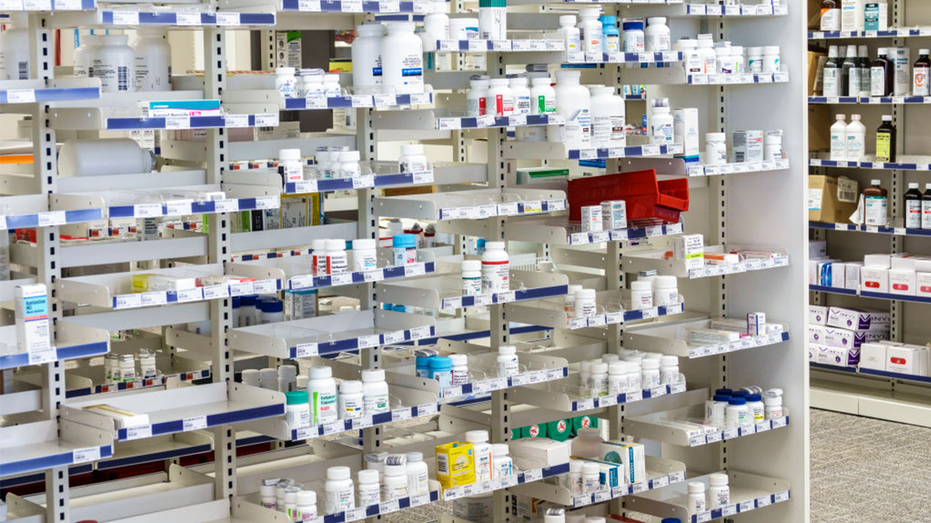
pixel 37 446
pixel 115 290
pixel 180 409
pixel 559 151
pixel 445 120
pixel 656 261
pixel 660 473
pixel 868 294
pixel 872 372
pixel 38 91
pixel 340 332
pixel 653 426
pixel 748 492
pixel 342 102
pixel 738 79
pixel 559 231
pixel 914 163
pixel 551 312
pixel 352 6
pixel 737 168
pixel 911 32
pixel 176 17
pixel 472 204
pixel 865 100
pixel 72 341
pixel 658 58
pixel 897 231
pixel 567 395
pixel 832 368
pixel 39 210
pixel 501 46
pixel 96 119
pixel 445 291
pixel 670 338
pixel 296 273
pixel 48 5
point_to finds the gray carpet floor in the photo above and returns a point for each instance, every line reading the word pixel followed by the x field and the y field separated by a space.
pixel 864 469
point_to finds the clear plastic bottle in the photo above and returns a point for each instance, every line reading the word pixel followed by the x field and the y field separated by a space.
pixel 402 69
pixel 495 268
pixel 574 478
pixel 570 34
pixel 573 101
pixel 542 96
pixel 665 291
pixel 585 305
pixel 839 138
pixel 375 392
pixel 590 31
pixel 756 408
pixel 737 414
pixel 725 60
pixel 153 59
pixel 755 59
pixel 656 35
pixel 590 478
pixel 366 57
pixel 331 87
pixel 690 56
pixel 394 481
pixel 413 159
pixel 772 403
pixel 289 160
pixel 856 139
pixel 104 156
pixel 587 443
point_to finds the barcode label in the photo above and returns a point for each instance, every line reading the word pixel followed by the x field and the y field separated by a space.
pixel 85 455
pixel 122 78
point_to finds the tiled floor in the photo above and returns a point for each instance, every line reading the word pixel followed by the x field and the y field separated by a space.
pixel 864 469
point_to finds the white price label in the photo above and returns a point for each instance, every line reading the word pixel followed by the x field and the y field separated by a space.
pixel 555 374
pixel 51 218
pixel 507 296
pixel 451 303
pixel 190 295
pixel 195 423
pixel 344 278
pixel 266 120
pixel 389 6
pixel 147 210
pixel 703 517
pixel 762 426
pixel 305 433
pixel 20 96
pixel 125 18
pixel 332 427
pixel 139 432
pixel 698 79
pixel 518 120
pixel 227 19
pixel 696 440
pixel 661 481
pixel 427 409
pixel 732 10
pixel 598 320
pixel 369 341
pixel 507 209
pixel 154 298
pixel 309 5
pixel 781 496
pixel 780 77
pixel 764 10
pixel 85 455
pixel 656 392
pixel 416 269
pixel 352 6
pixel 421 98
pixel 578 323
pixel 729 510
pixel 744 506
pixel 420 499
pixel 267 202
pixel 533 475
pixel 128 301
pixel 601 236
pixel 393 337
pixel 422 177
pixel 586 404
pixel 305 186
pixel 651 150
pixel 236 120
pixel 602 495
pixel 764 501
pixel 386 507
pixel 177 207
pixel 213 292
pixel 607 401
pixel 448 124
pixel 401 414
pixel 779 422
pixel 636 395
pixel 419 333
pixel 305 350
pixel 231 205
pixel 482 299
pixel 38 357
pixel 373 276
pixel 614 318
pixel 386 100
pixel 781 10
pixel 677 388
pixel 363 182
pixel 649 313
pixel 486 120
pixel 581 501
pixel 177 122
pixel 639 487
pixel 185 18
pixel 588 154
pixel 265 286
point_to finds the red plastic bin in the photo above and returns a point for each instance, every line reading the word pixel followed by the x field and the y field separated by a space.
pixel 645 196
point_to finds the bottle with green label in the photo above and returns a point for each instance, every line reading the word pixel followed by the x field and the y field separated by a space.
pixel 877 204
pixel 885 141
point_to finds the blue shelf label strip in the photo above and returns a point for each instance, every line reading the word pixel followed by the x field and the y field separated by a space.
pixel 29 221
pixel 63 353
pixel 47 462
pixel 214 420
pixel 208 19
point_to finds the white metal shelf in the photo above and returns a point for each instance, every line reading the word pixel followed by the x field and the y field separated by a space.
pixel 870 100
pixel 897 231
pixel 331 334
pixel 72 341
pixel 748 492
pixel 909 32
pixel 610 311
pixel 659 473
pixel 656 260
pixel 672 339
pixel 475 204
pixel 295 273
pixel 559 151
pixel 97 119
pixel 567 395
pixel 560 231
pixel 905 163
pixel 37 446
pixel 177 17
pixel 34 210
pixel 868 294
pixel 32 91
pixel 181 409
pixel 445 120
pixel 48 5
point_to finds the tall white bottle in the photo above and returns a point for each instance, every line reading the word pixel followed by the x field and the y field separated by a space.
pixel 573 102
pixel 839 138
pixel 153 59
pixel 856 139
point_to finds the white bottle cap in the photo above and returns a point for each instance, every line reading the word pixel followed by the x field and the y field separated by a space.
pixel 610 358
pixel 413 457
pixel 338 473
pixel 494 246
pixel 507 350
pixel 307 497
pixel 771 49
pixel 840 117
pixel 476 436
pixel 696 487
pixel 267 491
pixel 716 137
pixel 349 156
pixel 618 367
pixel 368 476
pixel 411 149
pixel 317 373
pixel 373 375
pixel 592 12
pixel 665 282
pixel 289 154
pixel 318 245
pixel 284 70
pixel 350 387
pixel 471 265
pixel 717 480
pixel 641 285
pixel 499 81
pixel 567 20
pixel 669 361
pixel 590 469
pixel 599 368
pixel 575 466
pixel 459 359
pixel 584 294
pixel 499 449
pixel 363 243
pixel 649 364
pixel 660 20
pixel 335 245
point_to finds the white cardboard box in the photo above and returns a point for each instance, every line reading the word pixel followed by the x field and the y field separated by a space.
pixel 873 355
pixel 816 334
pixel 923 284
pixel 533 453
pixel 852 275
pixel 874 279
pixel 902 281
pixel 817 315
pixel 841 357
pixel 837 337
pixel 907 359
pixel 690 248
pixel 817 249
pixel 858 319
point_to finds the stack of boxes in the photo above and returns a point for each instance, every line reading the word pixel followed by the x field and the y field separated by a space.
pixel 899 273
pixel 836 334
pixel 890 356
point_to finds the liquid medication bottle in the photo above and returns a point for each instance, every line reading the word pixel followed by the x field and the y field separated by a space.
pixel 877 204
pixel 885 140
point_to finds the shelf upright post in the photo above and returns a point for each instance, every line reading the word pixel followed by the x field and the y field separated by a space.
pixel 898 184
pixel 45 167
pixel 218 251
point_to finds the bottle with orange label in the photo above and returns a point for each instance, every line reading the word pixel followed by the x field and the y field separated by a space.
pixel 830 15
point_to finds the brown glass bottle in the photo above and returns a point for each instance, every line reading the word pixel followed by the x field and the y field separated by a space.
pixel 885 141
pixel 912 199
pixel 830 15
pixel 876 205
pixel 882 74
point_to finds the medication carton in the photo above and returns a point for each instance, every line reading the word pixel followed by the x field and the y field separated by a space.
pixel 534 453
pixel 33 331
pixel 631 455
pixel 817 315
pixel 873 355
pixel 455 465
pixel 838 356
pixel 858 319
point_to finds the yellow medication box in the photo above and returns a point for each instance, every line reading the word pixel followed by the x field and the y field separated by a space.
pixel 454 464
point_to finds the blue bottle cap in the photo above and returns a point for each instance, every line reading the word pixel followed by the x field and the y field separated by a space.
pixel 737 401
pixel 740 394
pixel 404 241
pixel 248 300
pixel 754 397
pixel 237 302
pixel 721 397
pixel 608 20
pixel 671 520
pixel 441 363
pixel 727 392
pixel 633 25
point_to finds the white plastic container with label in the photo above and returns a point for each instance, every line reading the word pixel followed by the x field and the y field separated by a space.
pixel 321 390
pixel 364 255
pixel 290 163
pixel 591 33
pixel 375 392
pixel 418 475
pixel 719 493
pixel 477 97
pixel 114 62
pixel 573 102
pixel 340 494
pixel 495 268
pixel 656 35
pixel 608 118
pixel 366 58
pixel 507 361
pixel 394 481
pixel 402 68
pixel 585 306
pixel 500 97
pixel 153 59
pixel 570 34
pixel 100 157
pixel 369 489
pixel 350 402
pixel 481 453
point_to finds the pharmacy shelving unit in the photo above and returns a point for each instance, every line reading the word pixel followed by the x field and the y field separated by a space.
pixel 877 394
pixel 197 406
